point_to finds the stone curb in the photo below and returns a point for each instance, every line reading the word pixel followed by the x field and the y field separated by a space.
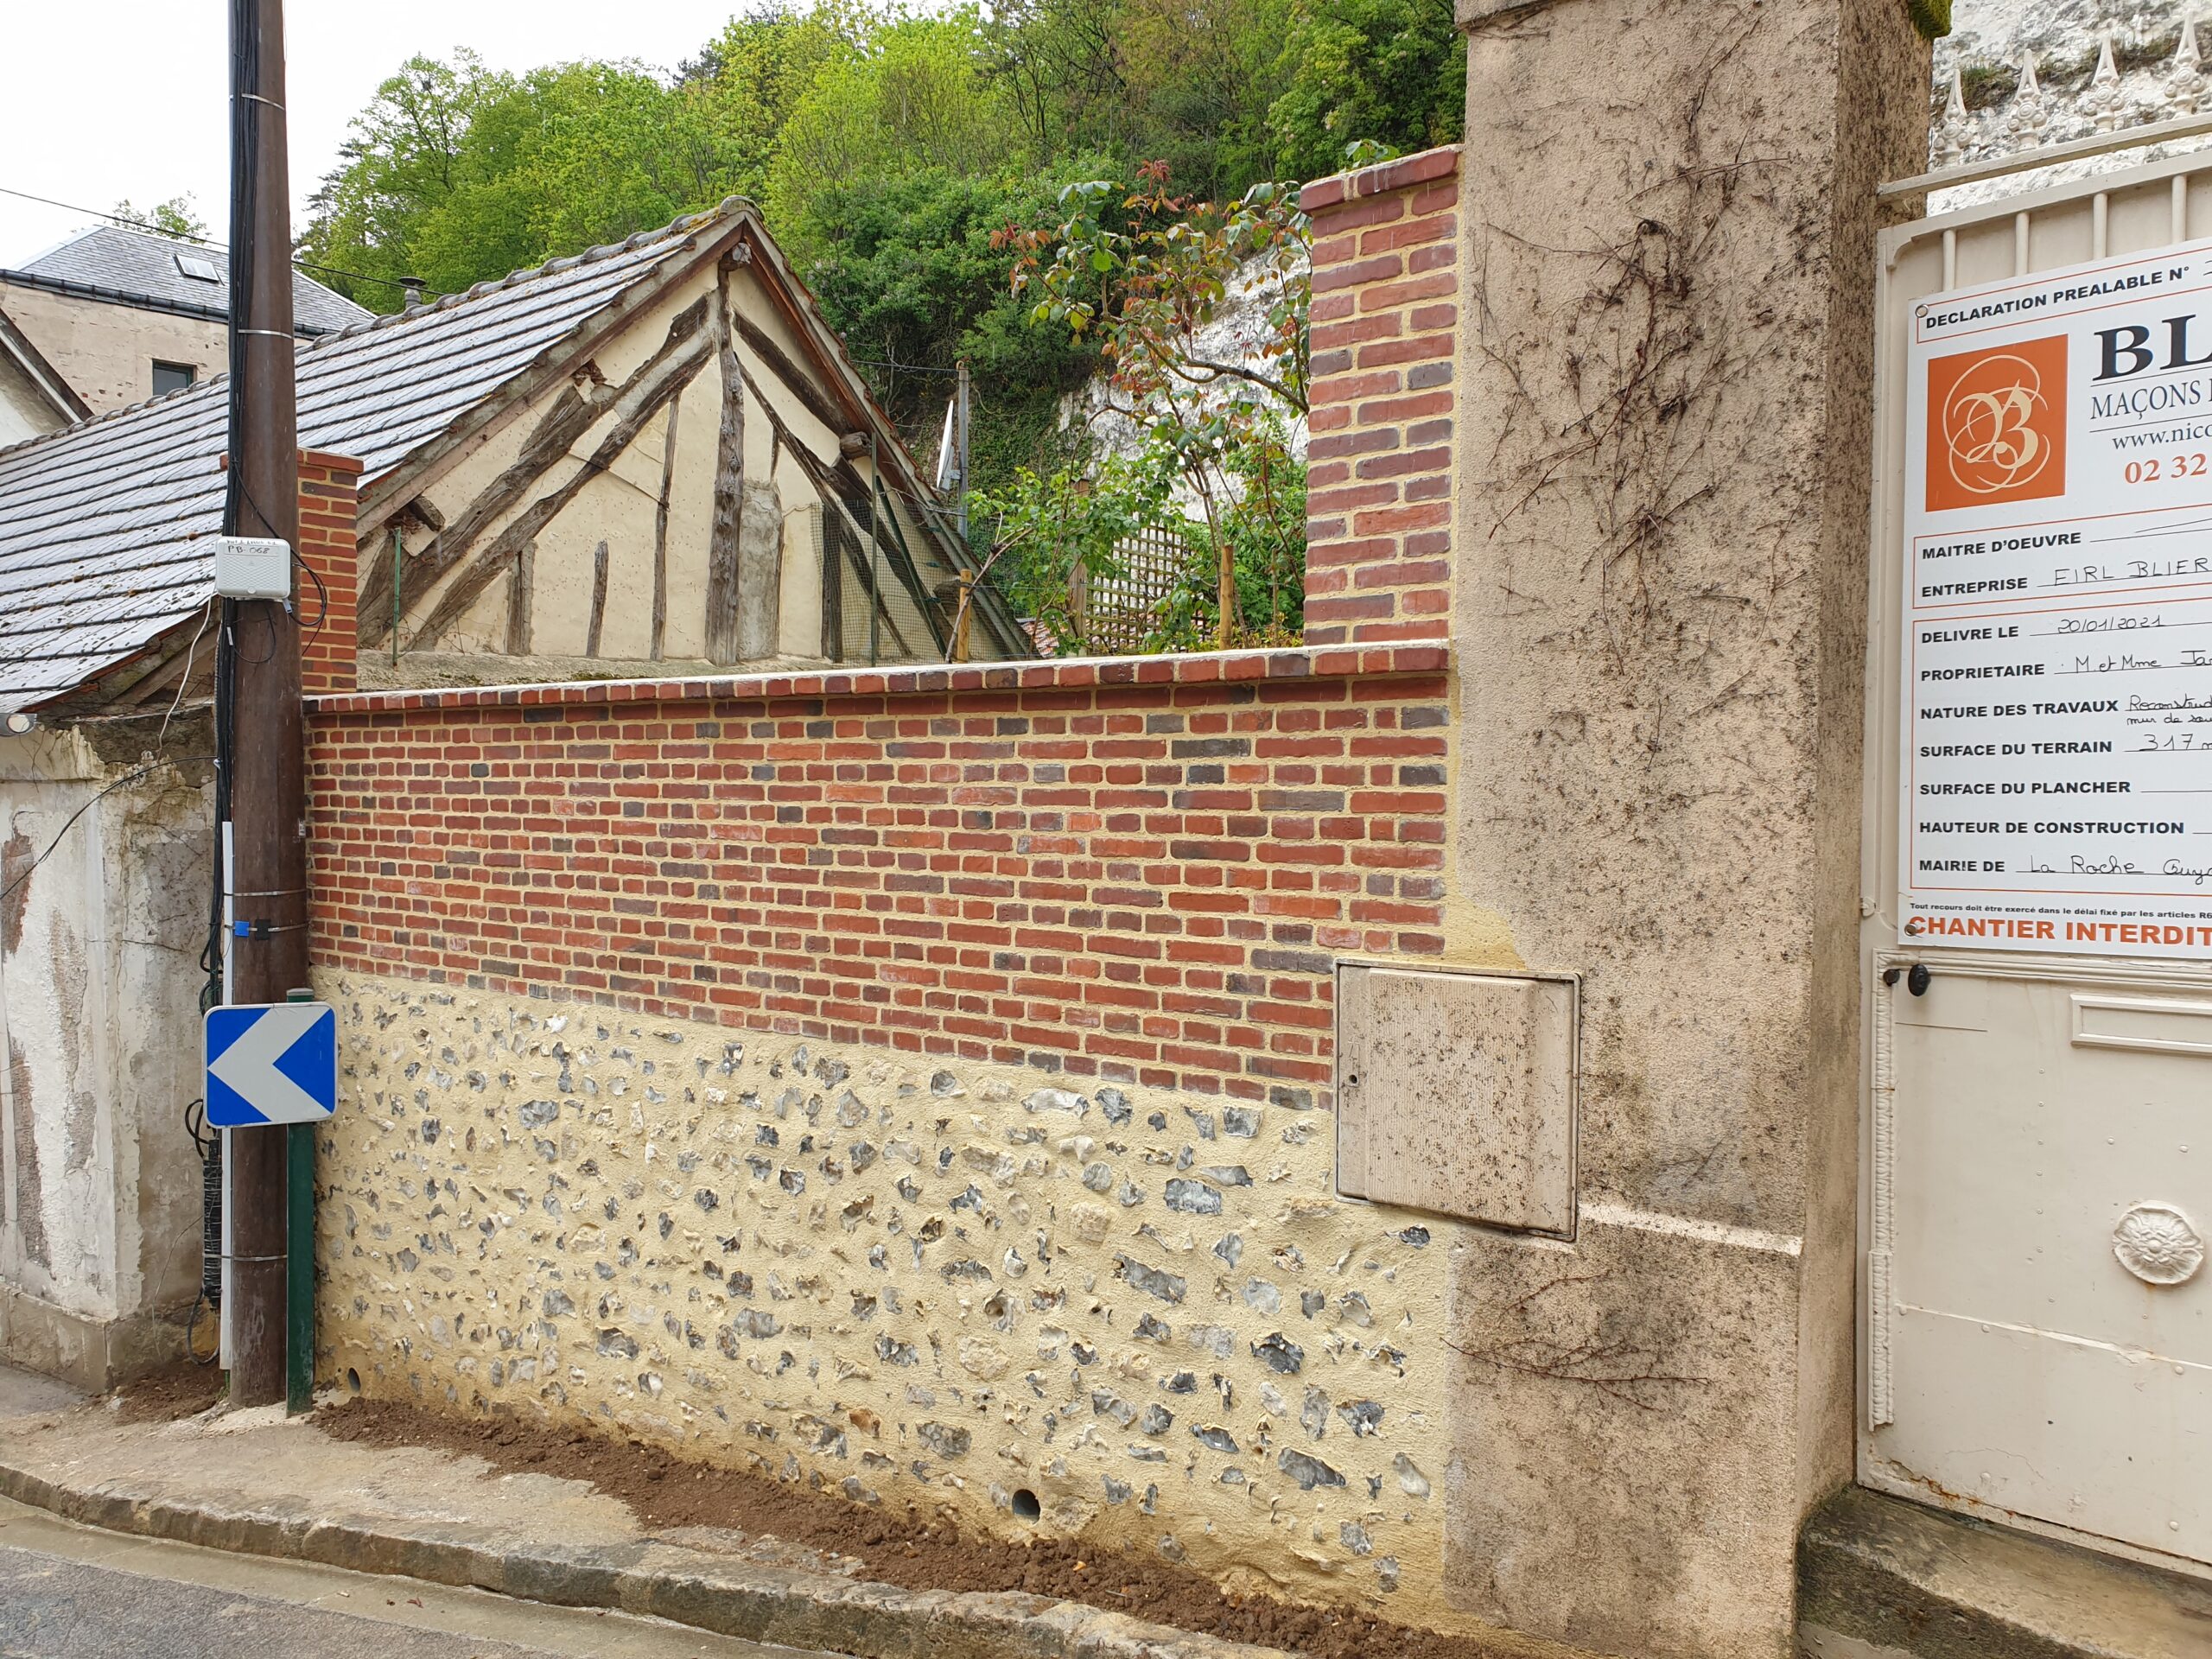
pixel 686 1586
pixel 1900 1576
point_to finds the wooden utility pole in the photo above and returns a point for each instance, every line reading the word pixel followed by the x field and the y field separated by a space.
pixel 267 760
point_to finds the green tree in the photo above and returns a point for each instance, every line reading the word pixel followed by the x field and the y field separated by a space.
pixel 456 174
pixel 748 79
pixel 914 99
pixel 567 157
pixel 402 162
pixel 1390 71
pixel 1146 274
pixel 176 217
pixel 913 272
pixel 1063 65
pixel 1189 82
pixel 1208 71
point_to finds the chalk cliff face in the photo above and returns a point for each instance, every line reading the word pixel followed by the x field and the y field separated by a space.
pixel 1237 333
pixel 2017 74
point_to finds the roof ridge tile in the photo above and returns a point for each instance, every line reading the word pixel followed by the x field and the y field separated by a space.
pixel 559 265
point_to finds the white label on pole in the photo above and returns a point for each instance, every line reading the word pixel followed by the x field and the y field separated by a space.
pixel 2057 709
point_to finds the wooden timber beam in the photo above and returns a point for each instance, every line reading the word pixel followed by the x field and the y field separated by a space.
pixel 412 477
pixel 823 477
pixel 729 480
pixel 641 400
pixel 571 415
pixel 802 385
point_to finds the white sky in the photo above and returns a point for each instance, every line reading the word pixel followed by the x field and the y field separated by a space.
pixel 114 98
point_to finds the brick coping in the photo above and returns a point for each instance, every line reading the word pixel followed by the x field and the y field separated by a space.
pixel 1299 663
pixel 1423 166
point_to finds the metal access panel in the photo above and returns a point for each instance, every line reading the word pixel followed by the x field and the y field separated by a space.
pixel 1456 1093
pixel 2035 1153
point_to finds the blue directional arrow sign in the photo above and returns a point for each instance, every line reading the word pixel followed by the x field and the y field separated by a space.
pixel 271 1063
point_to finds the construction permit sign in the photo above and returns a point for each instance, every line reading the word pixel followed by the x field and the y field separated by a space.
pixel 2057 660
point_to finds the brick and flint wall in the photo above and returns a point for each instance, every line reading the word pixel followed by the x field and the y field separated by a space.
pixel 915 1084
pixel 1385 334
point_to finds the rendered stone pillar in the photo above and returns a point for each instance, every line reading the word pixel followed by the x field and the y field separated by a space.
pixel 1665 399
pixel 759 570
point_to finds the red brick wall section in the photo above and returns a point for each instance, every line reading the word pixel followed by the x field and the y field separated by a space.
pixel 330 490
pixel 1386 327
pixel 1137 870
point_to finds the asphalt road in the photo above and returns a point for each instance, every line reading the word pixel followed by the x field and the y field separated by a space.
pixel 73 1592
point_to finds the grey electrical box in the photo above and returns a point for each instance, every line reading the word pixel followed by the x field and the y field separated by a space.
pixel 252 567
pixel 1456 1092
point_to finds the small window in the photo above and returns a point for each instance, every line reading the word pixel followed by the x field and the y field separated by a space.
pixel 173 376
pixel 199 269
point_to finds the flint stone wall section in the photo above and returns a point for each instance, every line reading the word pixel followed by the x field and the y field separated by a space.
pixel 895 1280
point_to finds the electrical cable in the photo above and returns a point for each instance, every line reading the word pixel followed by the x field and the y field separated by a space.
pixel 322 594
pixel 245 126
pixel 211 954
pixel 204 1140
pixel 896 367
pixel 245 132
pixel 132 776
pixel 209 1142
pixel 200 241
pixel 191 651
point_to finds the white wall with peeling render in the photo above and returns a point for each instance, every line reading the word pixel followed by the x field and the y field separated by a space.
pixel 101 926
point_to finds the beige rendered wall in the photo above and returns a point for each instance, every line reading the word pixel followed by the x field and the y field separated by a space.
pixel 106 352
pixel 1665 446
pixel 24 412
pixel 618 507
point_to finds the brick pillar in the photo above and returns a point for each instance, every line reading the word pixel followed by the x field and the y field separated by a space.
pixel 329 493
pixel 1386 331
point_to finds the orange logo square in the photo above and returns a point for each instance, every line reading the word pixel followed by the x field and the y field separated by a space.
pixel 1997 425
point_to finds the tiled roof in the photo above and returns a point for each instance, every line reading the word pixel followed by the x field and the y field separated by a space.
pixel 104 525
pixel 138 264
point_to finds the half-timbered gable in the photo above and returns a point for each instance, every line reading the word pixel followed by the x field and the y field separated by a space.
pixel 657 452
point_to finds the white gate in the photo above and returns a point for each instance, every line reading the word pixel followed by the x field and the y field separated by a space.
pixel 2037 1141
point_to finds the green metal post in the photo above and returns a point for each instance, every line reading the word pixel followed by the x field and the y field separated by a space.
pixel 399 548
pixel 299 1257
pixel 874 567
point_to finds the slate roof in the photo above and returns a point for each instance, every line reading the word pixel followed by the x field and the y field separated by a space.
pixel 124 265
pixel 105 526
